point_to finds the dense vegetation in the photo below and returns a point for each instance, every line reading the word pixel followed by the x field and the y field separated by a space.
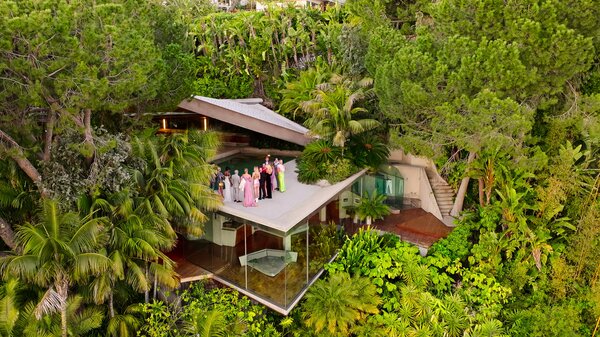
pixel 504 96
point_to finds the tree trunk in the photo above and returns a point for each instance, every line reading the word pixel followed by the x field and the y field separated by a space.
pixel 62 287
pixel 111 306
pixel 87 132
pixel 48 135
pixel 462 190
pixel 480 183
pixel 147 291
pixel 7 234
pixel 155 287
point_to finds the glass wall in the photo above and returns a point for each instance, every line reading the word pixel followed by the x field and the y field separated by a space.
pixel 274 266
pixel 386 181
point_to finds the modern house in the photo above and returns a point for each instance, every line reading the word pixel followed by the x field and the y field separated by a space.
pixel 272 252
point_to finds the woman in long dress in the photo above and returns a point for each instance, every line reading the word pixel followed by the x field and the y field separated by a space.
pixel 256 182
pixel 227 189
pixel 248 189
pixel 281 176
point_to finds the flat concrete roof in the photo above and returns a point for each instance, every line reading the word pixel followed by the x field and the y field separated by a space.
pixel 250 115
pixel 291 207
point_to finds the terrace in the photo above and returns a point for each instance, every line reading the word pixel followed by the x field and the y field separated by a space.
pixel 274 252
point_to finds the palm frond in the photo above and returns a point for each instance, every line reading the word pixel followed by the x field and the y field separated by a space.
pixel 24 267
pixel 165 276
pixel 50 303
pixel 87 264
pixel 86 237
pixel 124 325
pixel 101 287
pixel 84 320
pixel 136 277
pixel 9 309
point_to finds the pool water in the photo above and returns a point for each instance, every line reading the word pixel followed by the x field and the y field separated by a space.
pixel 240 161
pixel 268 265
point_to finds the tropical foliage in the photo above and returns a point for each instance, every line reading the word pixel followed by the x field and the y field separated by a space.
pixel 505 95
pixel 372 207
pixel 206 311
pixel 249 53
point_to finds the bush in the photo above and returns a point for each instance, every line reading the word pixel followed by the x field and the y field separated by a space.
pixel 232 310
pixel 339 170
pixel 321 151
pixel 310 172
pixel 368 150
pixel 321 160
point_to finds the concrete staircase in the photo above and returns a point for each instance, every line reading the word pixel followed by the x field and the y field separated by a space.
pixel 444 194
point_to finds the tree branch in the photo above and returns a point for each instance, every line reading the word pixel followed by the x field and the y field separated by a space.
pixel 16 153
pixel 7 234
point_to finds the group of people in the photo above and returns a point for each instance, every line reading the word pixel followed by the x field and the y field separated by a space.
pixel 250 188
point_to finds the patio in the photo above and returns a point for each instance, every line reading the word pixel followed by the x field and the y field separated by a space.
pixel 295 205
pixel 411 225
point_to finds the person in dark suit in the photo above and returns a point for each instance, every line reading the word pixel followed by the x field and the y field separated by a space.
pixel 263 183
pixel 269 181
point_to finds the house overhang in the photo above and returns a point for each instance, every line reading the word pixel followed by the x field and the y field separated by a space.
pixel 295 206
pixel 249 115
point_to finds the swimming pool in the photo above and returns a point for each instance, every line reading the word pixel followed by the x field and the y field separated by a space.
pixel 240 161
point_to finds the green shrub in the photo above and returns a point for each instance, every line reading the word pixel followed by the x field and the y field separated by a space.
pixel 368 150
pixel 372 206
pixel 321 151
pixel 339 170
pixel 310 172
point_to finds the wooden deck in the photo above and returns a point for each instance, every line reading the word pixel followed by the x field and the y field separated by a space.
pixel 189 272
pixel 411 225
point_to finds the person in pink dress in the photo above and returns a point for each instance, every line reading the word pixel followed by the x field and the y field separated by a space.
pixel 248 190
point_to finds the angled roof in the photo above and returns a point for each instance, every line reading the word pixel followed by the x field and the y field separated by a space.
pixel 288 209
pixel 250 115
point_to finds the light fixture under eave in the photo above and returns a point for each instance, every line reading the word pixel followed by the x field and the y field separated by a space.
pixel 164 123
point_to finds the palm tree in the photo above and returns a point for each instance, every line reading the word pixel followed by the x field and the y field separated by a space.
pixel 175 181
pixel 213 323
pixel 490 328
pixel 58 251
pixel 333 110
pixel 301 90
pixel 134 242
pixel 81 320
pixel 126 324
pixel 336 305
pixel 372 207
pixel 9 307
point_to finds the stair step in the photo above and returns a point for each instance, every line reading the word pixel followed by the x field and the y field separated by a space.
pixel 443 193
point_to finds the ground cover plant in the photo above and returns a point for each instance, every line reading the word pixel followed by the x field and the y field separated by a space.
pixel 505 97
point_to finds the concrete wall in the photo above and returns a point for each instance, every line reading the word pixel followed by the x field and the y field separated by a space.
pixel 416 186
pixel 412 180
pixel 347 198
pixel 398 156
pixel 428 201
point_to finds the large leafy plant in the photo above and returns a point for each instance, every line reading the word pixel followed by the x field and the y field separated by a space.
pixel 368 150
pixel 372 207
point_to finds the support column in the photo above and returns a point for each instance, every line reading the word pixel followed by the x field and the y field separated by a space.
pixel 287 242
pixel 323 214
